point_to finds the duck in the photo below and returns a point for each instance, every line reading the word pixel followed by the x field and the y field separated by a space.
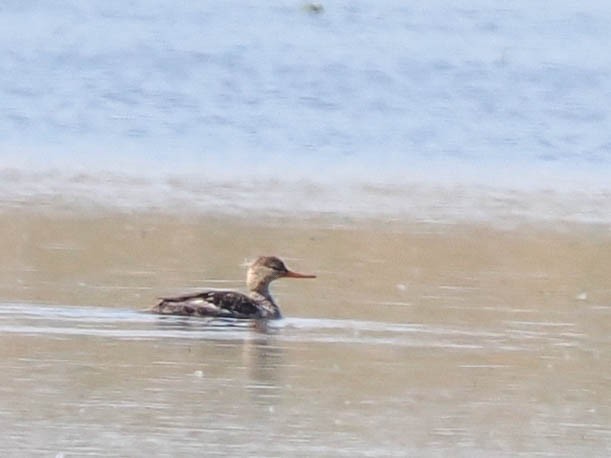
pixel 257 304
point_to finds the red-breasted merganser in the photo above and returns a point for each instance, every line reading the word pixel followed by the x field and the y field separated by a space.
pixel 257 304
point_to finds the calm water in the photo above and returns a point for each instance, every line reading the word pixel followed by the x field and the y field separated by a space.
pixel 421 340
pixel 106 382
pixel 443 167
pixel 467 91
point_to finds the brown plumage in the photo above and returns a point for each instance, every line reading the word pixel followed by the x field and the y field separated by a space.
pixel 257 304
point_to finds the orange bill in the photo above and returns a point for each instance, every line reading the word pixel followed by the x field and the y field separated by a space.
pixel 291 274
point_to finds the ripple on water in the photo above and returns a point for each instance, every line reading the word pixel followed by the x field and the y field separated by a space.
pixel 40 319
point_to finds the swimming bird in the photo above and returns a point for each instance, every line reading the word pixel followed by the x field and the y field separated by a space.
pixel 257 304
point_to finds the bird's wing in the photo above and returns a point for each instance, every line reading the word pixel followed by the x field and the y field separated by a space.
pixel 209 303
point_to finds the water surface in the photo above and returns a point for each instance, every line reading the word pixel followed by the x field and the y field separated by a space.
pixel 413 340
pixel 442 167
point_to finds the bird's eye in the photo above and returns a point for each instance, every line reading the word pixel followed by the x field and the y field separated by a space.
pixel 278 266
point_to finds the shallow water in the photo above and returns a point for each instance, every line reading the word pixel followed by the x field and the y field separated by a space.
pixel 443 168
pixel 414 339
pixel 100 381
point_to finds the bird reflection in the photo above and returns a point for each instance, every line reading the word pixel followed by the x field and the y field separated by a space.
pixel 264 359
pixel 227 345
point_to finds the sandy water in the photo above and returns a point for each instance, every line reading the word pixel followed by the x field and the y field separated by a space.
pixel 443 167
pixel 416 339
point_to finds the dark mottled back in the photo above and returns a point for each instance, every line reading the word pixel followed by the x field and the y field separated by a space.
pixel 210 303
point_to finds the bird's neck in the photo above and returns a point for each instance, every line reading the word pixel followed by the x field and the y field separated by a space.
pixel 265 301
pixel 258 283
pixel 261 288
pixel 258 286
